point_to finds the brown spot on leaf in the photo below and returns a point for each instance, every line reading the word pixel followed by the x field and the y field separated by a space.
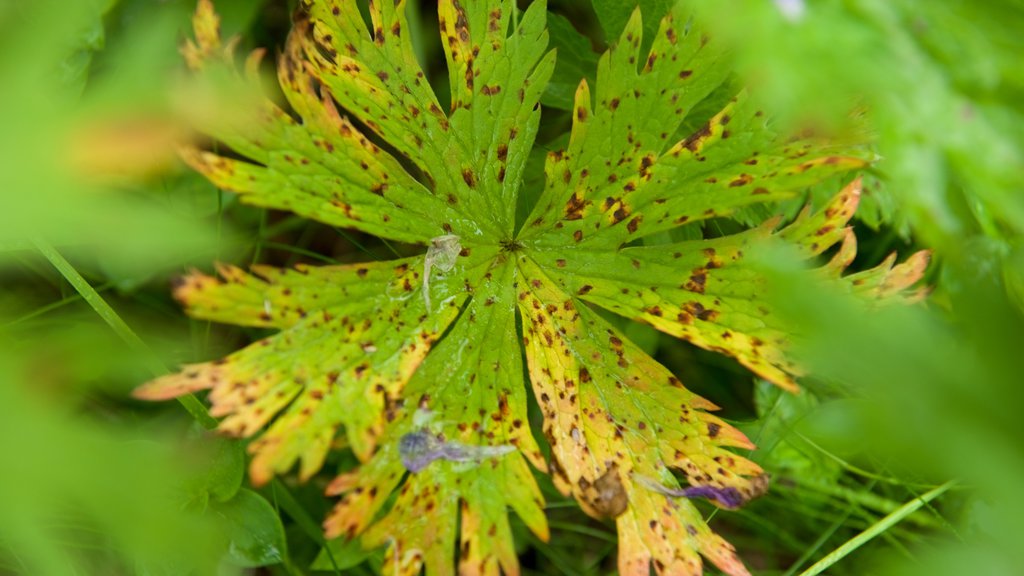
pixel 693 141
pixel 574 208
pixel 634 224
pixel 741 180
pixel 619 215
pixel 698 280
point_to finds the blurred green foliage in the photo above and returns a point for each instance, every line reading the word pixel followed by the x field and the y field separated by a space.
pixel 902 399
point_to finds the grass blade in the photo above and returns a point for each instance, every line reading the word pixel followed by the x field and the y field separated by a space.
pixel 119 326
pixel 875 530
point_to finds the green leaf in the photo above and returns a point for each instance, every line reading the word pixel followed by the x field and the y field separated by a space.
pixel 615 14
pixel 221 476
pixel 254 530
pixel 418 363
pixel 780 450
pixel 90 39
pixel 372 327
pixel 480 400
pixel 576 60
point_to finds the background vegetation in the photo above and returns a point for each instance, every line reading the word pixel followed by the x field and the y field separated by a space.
pixel 98 216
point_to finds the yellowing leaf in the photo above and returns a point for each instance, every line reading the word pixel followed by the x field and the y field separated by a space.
pixel 613 415
pixel 418 362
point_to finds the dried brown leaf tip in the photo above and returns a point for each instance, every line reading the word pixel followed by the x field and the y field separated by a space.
pixel 416 364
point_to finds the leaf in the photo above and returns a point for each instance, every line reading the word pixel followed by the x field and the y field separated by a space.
pixel 614 15
pixel 370 331
pixel 479 400
pixel 418 362
pixel 779 449
pixel 253 529
pixel 221 472
pixel 89 39
pixel 613 414
pixel 576 60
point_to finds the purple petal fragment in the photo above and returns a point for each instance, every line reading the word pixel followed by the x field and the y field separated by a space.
pixel 418 450
pixel 728 497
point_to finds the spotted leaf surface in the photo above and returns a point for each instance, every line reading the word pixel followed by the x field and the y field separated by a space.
pixel 470 393
pixel 351 336
pixel 473 156
pixel 417 364
pixel 623 177
pixel 612 414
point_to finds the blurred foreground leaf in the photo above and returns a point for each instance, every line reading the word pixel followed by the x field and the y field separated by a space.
pixel 253 528
pixel 945 388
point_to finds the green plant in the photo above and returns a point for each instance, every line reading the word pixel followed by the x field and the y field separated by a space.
pixel 419 361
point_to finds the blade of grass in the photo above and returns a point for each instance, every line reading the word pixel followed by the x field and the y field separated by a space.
pixel 356 243
pixel 299 251
pixel 157 367
pixel 260 238
pixel 878 528
pixel 935 512
pixel 391 248
pixel 120 327
pixel 561 562
pixel 868 500
pixel 584 530
pixel 601 556
pixel 823 538
pixel 858 471
pixel 53 306
pixel 285 225
pixel 284 498
pixel 769 525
